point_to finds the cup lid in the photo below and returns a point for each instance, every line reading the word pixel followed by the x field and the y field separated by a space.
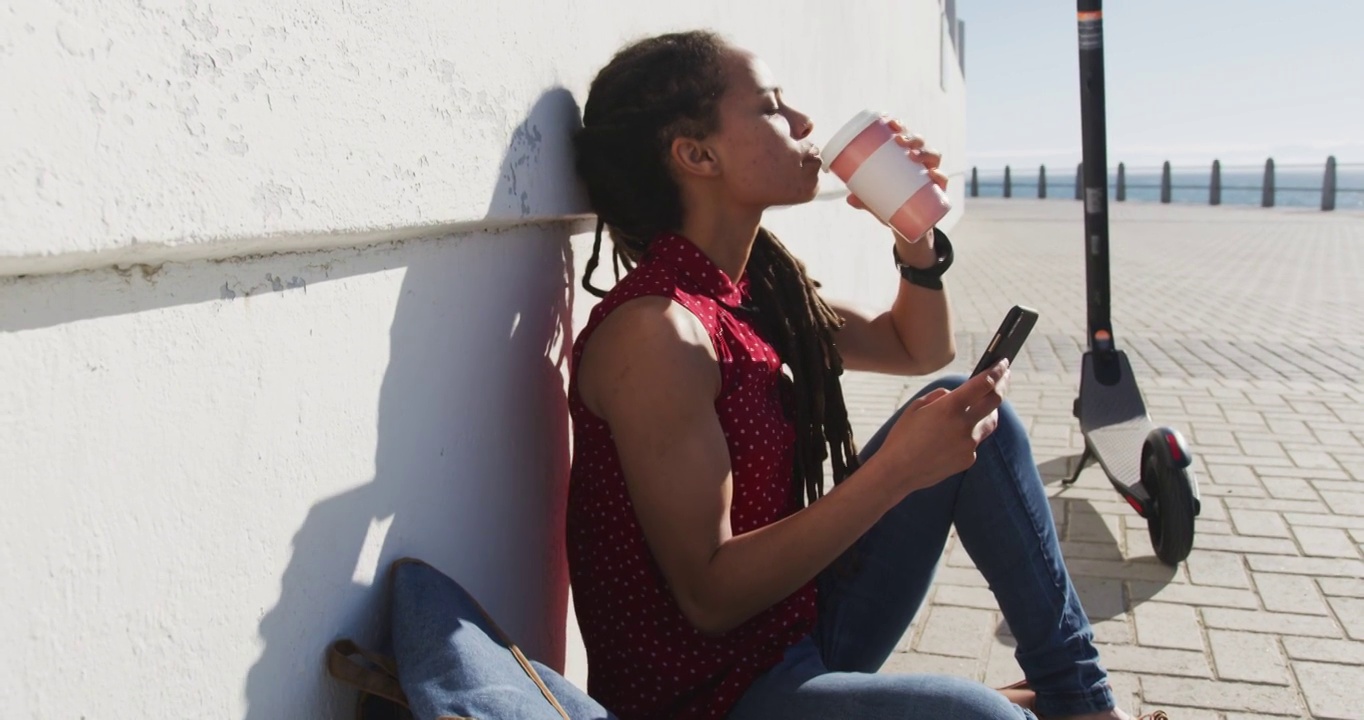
pixel 845 135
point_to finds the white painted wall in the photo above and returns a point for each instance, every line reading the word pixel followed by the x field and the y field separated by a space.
pixel 284 295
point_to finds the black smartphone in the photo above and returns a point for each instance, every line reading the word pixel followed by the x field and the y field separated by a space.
pixel 1008 339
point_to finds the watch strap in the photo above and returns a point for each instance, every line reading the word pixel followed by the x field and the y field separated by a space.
pixel 929 277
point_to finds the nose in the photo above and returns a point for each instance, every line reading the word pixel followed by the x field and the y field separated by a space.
pixel 801 125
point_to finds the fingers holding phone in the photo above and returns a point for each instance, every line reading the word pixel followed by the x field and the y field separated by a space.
pixel 937 434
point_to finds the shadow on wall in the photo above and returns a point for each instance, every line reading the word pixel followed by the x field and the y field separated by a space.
pixel 472 460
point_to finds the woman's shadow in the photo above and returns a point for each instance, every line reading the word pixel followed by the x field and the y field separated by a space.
pixel 471 465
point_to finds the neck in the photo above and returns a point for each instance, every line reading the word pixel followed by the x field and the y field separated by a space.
pixel 724 234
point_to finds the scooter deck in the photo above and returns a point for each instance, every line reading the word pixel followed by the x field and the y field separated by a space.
pixel 1113 418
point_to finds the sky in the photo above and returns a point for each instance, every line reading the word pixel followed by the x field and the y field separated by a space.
pixel 1188 81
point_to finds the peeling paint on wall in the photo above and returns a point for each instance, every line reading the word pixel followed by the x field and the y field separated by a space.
pixel 273 283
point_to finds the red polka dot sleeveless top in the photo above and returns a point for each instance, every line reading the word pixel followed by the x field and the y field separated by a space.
pixel 645 660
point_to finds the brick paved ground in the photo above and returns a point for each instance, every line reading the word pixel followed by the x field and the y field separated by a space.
pixel 1245 330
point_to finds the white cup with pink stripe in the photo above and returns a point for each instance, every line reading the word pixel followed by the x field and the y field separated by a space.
pixel 898 190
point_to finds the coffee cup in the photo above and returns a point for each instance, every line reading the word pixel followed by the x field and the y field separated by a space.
pixel 878 170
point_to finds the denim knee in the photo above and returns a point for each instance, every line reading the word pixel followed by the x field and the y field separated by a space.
pixel 1010 434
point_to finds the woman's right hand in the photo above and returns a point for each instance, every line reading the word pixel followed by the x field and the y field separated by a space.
pixel 937 435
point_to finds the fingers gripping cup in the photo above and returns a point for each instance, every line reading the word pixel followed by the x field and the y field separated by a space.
pixel 898 190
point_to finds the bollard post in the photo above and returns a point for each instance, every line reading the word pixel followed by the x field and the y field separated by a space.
pixel 1008 183
pixel 1042 182
pixel 1122 182
pixel 975 183
pixel 1165 182
pixel 1215 185
pixel 1267 190
pixel 1328 185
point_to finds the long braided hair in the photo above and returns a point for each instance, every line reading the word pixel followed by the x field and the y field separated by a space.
pixel 667 87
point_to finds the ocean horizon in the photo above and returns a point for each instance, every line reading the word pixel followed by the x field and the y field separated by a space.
pixel 1295 185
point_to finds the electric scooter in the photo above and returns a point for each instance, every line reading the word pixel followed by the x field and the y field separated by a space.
pixel 1148 465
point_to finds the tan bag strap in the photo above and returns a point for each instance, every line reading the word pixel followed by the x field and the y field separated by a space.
pixel 544 689
pixel 383 681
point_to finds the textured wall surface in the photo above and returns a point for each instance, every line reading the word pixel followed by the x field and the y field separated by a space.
pixel 285 291
pixel 134 126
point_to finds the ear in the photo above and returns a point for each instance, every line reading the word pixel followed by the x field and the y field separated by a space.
pixel 694 157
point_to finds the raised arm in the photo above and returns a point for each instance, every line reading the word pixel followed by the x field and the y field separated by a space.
pixel 913 337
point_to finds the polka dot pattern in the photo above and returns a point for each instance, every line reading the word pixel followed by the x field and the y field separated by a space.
pixel 645 660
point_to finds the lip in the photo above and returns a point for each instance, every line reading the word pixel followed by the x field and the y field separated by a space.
pixel 812 157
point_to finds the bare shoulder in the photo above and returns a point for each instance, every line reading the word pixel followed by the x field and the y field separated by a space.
pixel 646 349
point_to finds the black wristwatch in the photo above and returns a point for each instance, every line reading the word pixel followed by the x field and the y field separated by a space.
pixel 929 277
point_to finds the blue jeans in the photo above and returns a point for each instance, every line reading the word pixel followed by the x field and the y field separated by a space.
pixel 869 596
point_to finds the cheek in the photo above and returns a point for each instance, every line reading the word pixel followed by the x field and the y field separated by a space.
pixel 755 160
pixel 765 146
pixel 765 167
pixel 769 154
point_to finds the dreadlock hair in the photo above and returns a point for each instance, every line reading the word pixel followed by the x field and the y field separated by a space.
pixel 651 93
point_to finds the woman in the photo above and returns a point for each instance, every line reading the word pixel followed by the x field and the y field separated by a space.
pixel 712 575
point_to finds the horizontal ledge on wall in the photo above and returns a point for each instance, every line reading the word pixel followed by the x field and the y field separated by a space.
pixel 191 249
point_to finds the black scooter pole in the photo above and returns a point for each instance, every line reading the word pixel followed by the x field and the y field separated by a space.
pixel 1095 161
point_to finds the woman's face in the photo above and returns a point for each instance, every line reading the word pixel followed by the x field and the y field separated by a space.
pixel 765 157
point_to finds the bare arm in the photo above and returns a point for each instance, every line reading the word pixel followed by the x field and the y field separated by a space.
pixel 650 372
pixel 914 337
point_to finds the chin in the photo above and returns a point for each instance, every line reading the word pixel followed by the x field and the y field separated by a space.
pixel 796 193
pixel 812 192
